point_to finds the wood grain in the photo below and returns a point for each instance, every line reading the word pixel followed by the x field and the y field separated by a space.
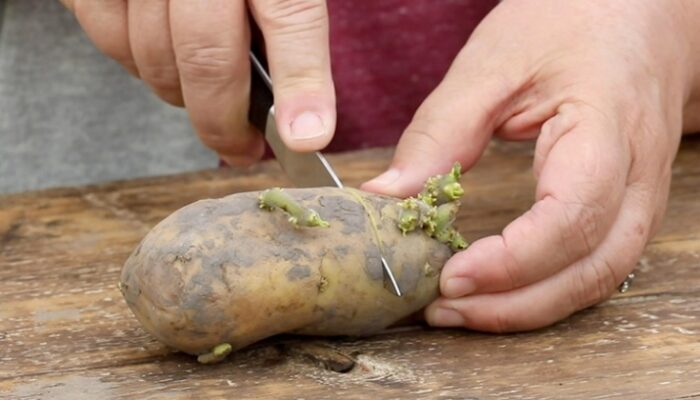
pixel 66 333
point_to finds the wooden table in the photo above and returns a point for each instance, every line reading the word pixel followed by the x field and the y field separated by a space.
pixel 66 333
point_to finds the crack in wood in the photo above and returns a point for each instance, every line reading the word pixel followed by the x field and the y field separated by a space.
pixel 324 356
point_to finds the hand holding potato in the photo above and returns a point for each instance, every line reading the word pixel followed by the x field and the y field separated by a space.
pixel 195 54
pixel 606 89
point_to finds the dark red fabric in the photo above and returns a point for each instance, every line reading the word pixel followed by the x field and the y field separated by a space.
pixel 387 56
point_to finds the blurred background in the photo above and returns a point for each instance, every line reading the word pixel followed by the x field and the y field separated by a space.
pixel 71 116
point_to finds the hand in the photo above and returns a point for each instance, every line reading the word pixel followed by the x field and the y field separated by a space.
pixel 601 85
pixel 195 53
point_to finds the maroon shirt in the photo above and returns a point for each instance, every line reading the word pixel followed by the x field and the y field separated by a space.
pixel 387 56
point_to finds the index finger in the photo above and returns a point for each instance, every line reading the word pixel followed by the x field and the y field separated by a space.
pixel 580 189
pixel 211 43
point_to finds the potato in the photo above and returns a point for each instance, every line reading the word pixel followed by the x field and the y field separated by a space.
pixel 227 272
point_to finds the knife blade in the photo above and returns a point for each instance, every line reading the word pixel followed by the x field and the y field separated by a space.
pixel 304 169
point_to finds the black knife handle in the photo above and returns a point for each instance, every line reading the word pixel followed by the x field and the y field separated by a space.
pixel 261 98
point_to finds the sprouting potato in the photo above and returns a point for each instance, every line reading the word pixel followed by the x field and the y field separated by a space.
pixel 218 275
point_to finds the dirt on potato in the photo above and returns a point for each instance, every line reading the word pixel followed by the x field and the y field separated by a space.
pixel 226 271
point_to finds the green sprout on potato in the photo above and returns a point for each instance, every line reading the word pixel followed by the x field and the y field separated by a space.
pixel 299 215
pixel 443 189
pixel 435 208
pixel 218 353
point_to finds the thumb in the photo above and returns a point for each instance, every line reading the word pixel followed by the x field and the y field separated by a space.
pixel 454 123
pixel 297 43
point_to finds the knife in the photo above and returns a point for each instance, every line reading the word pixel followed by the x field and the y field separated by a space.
pixel 304 169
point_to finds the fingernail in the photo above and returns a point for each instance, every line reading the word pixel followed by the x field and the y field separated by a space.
pixel 445 317
pixel 387 178
pixel 458 286
pixel 307 125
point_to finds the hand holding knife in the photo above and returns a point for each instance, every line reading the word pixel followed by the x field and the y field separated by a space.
pixel 304 169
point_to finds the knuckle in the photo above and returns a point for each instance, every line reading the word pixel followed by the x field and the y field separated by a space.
pixel 422 138
pixel 593 283
pixel 501 87
pixel 580 293
pixel 605 281
pixel 309 80
pixel 207 63
pixel 502 322
pixel 160 77
pixel 429 134
pixel 512 269
pixel 292 16
pixel 583 219
pixel 581 225
pixel 659 209
pixel 419 138
pixel 423 144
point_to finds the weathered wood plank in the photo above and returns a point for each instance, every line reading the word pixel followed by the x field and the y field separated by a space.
pixel 65 331
pixel 641 349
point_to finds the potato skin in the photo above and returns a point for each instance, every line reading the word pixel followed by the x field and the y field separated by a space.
pixel 226 271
